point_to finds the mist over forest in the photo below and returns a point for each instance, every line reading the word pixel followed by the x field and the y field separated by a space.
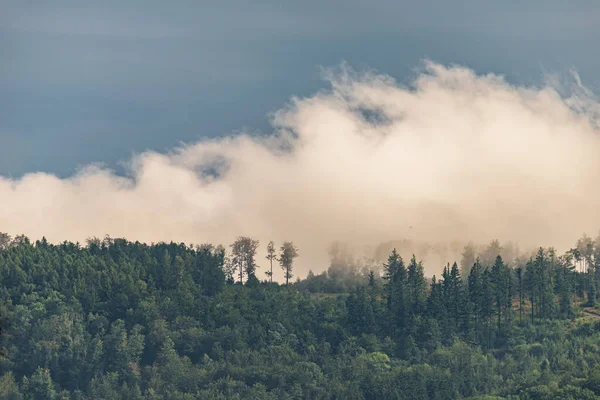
pixel 300 200
pixel 383 241
pixel 116 319
pixel 449 158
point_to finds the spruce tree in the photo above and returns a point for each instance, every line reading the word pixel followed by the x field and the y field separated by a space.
pixel 545 282
pixel 271 256
pixel 288 253
pixel 396 276
pixel 520 290
pixel 500 281
pixel 475 296
pixel 417 286
pixel 531 285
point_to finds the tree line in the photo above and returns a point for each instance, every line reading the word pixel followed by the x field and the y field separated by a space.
pixel 115 319
pixel 242 261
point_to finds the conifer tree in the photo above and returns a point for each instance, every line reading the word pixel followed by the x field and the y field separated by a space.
pixel 457 307
pixel 371 278
pixel 597 267
pixel 532 286
pixel 468 257
pixel 243 252
pixel 500 280
pixel 435 301
pixel 271 256
pixel 564 287
pixel 520 290
pixel 287 255
pixel 545 282
pixel 487 302
pixel 396 275
pixel 417 286
pixel 475 290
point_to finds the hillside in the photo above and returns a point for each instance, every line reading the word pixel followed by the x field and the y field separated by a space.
pixel 123 320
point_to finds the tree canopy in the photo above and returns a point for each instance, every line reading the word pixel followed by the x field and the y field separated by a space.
pixel 116 319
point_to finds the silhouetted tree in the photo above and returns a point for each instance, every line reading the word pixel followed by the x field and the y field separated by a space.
pixel 271 256
pixel 287 255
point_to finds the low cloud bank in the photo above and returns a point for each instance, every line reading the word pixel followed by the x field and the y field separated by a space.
pixel 454 157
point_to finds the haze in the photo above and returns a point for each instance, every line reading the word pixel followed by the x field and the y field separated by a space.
pixel 454 156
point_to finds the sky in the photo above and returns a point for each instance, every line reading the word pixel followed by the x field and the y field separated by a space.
pixel 97 82
pixel 313 121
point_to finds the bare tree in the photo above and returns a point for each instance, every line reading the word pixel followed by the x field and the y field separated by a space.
pixel 288 252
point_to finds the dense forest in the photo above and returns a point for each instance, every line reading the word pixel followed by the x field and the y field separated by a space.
pixel 114 319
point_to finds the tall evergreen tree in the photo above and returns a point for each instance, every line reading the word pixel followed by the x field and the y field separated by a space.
pixel 372 282
pixel 360 312
pixel 487 304
pixel 475 290
pixel 417 286
pixel 564 287
pixel 520 290
pixel 435 301
pixel 287 255
pixel 491 252
pixel 243 252
pixel 395 274
pixel 271 256
pixel 546 282
pixel 467 260
pixel 500 280
pixel 456 302
pixel 532 283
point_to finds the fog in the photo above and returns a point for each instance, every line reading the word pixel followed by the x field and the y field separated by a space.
pixel 452 157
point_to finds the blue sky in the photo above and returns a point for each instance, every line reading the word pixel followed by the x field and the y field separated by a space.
pixel 95 82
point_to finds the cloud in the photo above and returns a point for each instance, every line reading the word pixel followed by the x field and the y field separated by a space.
pixel 455 156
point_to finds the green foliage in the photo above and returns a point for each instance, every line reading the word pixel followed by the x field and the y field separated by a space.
pixel 287 255
pixel 123 320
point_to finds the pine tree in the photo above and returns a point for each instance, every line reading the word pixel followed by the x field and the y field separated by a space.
pixel 492 251
pixel 520 291
pixel 372 282
pixel 417 286
pixel 508 298
pixel 592 292
pixel 546 282
pixel 597 268
pixel 487 302
pixel 287 255
pixel 532 285
pixel 564 287
pixel 500 281
pixel 271 256
pixel 39 385
pixel 467 259
pixel 455 300
pixel 243 252
pixel 361 318
pixel 394 269
pixel 435 300
pixel 396 276
pixel 475 289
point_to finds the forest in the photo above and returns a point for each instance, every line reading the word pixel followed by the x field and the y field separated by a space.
pixel 115 319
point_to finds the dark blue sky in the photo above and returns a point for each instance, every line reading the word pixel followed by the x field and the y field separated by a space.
pixel 84 82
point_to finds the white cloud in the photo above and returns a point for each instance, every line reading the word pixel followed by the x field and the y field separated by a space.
pixel 456 156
